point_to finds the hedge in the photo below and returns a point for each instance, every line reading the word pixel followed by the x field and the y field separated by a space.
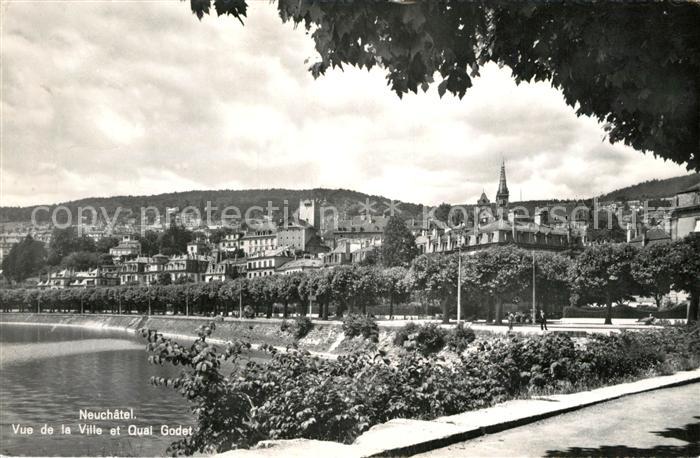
pixel 623 311
pixel 296 395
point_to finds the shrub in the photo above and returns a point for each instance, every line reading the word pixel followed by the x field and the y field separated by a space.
pixel 295 395
pixel 426 339
pixel 299 327
pixel 248 312
pixel 402 335
pixel 623 311
pixel 302 326
pixel 459 338
pixel 285 326
pixel 360 325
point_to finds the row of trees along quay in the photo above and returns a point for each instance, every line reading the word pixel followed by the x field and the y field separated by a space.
pixel 604 274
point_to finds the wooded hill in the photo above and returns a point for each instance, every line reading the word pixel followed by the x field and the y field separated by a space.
pixel 653 189
pixel 347 202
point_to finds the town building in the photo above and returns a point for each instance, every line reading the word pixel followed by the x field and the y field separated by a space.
pixel 231 243
pixel 295 236
pixel 186 268
pixel 367 254
pixel 644 237
pixel 263 264
pixel 197 248
pixel 299 265
pixel 69 278
pixel 685 216
pixel 309 213
pixel 128 247
pixel 342 253
pixel 154 272
pixel 134 271
pixel 362 227
pixel 225 270
pixel 259 241
pixel 500 227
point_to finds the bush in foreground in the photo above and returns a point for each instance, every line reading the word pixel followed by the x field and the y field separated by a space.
pixel 460 337
pixel 430 338
pixel 299 327
pixel 427 339
pixel 361 325
pixel 296 395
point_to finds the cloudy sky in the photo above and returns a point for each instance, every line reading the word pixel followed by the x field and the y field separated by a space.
pixel 111 98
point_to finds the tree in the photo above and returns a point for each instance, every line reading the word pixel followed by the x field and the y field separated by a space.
pixel 399 245
pixel 163 279
pixel 81 260
pixel 67 241
pixel 318 287
pixel 603 274
pixel 183 280
pixel 552 280
pixel 652 269
pixel 217 235
pixel 442 212
pixel 372 258
pixel 289 290
pixel 105 243
pixel 149 243
pixel 106 259
pixel 25 259
pixel 684 263
pixel 394 286
pixel 436 275
pixel 632 66
pixel 174 240
pixel 341 281
pixel 366 286
pixel 607 230
pixel 503 273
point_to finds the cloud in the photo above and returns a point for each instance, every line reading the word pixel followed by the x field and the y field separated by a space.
pixel 102 98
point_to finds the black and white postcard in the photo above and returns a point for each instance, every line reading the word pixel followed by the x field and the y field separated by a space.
pixel 349 228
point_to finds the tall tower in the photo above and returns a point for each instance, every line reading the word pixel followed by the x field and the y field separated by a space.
pixel 310 212
pixel 502 194
pixel 484 213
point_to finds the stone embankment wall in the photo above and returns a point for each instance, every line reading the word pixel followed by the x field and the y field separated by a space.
pixel 325 337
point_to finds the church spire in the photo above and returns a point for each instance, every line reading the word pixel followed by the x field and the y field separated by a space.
pixel 502 194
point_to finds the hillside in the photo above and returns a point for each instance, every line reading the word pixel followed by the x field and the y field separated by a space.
pixel 653 189
pixel 346 201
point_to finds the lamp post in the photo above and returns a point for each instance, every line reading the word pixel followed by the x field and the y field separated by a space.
pixel 459 283
pixel 534 307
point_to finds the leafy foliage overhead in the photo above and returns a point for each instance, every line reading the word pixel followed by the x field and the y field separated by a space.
pixel 632 66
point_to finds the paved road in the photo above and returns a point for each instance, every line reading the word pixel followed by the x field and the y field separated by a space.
pixel 658 423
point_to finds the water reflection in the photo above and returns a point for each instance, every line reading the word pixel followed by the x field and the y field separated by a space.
pixel 75 368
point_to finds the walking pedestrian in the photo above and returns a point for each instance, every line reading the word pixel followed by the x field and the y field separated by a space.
pixel 543 320
pixel 511 319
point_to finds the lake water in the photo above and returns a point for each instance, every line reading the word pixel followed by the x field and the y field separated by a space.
pixel 47 374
